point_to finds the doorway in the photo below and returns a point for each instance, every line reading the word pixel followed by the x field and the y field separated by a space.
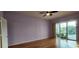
pixel 66 34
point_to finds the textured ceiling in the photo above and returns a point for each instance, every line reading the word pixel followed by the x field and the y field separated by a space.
pixel 55 15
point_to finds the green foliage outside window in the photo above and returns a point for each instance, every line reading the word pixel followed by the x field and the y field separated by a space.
pixel 71 30
pixel 63 34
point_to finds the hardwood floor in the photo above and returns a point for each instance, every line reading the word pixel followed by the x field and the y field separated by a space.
pixel 45 43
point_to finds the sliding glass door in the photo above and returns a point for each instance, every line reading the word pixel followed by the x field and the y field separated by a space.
pixel 72 34
pixel 66 34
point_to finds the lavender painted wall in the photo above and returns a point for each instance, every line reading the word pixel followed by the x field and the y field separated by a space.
pixel 1 13
pixel 22 28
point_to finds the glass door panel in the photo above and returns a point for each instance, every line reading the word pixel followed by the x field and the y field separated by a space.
pixel 72 30
pixel 63 41
pixel 71 44
pixel 63 30
pixel 72 34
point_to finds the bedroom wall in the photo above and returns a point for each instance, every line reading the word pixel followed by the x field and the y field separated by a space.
pixel 22 28
pixel 1 13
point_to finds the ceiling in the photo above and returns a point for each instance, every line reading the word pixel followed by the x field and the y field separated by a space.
pixel 55 15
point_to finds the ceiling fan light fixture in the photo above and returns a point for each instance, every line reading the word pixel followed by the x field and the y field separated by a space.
pixel 48 14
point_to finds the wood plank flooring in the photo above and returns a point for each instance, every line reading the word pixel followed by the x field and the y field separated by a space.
pixel 45 43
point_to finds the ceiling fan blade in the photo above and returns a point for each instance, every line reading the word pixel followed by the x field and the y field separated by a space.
pixel 44 15
pixel 41 12
pixel 47 13
pixel 53 11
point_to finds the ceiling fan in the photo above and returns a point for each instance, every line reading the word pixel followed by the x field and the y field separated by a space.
pixel 47 13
